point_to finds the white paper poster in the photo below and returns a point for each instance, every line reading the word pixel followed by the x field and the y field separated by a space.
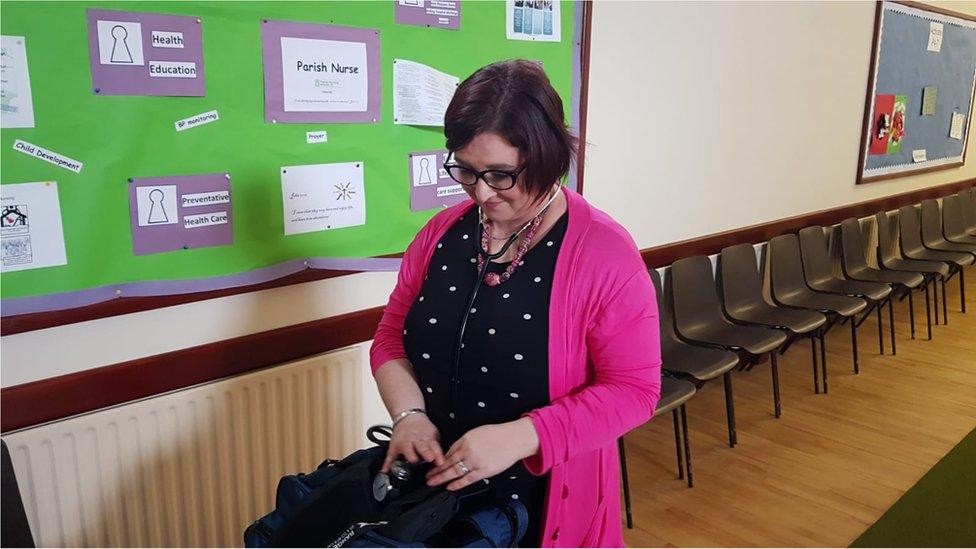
pixel 935 36
pixel 420 94
pixel 955 127
pixel 16 105
pixel 320 197
pixel 323 75
pixel 532 20
pixel 30 226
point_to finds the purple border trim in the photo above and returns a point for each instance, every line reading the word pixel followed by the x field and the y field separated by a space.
pixel 577 86
pixel 81 298
pixel 274 94
pixel 70 300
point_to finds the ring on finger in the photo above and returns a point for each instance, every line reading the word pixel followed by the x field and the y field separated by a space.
pixel 462 467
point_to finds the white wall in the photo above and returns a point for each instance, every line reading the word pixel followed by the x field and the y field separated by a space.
pixel 57 351
pixel 41 354
pixel 703 117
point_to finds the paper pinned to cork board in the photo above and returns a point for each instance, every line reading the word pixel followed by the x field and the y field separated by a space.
pixel 930 95
pixel 321 197
pixel 30 226
pixel 936 31
pixel 16 103
pixel 956 125
pixel 421 94
pixel 534 20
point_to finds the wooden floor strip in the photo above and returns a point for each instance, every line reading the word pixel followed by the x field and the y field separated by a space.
pixel 832 464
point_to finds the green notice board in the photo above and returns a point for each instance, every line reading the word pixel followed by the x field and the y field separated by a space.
pixel 122 137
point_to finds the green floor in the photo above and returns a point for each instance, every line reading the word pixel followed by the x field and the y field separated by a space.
pixel 939 511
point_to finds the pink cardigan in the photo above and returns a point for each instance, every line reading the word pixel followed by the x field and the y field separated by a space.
pixel 604 365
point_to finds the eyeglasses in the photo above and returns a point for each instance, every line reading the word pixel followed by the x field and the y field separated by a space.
pixel 496 179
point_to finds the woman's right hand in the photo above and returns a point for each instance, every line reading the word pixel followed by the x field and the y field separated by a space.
pixel 416 439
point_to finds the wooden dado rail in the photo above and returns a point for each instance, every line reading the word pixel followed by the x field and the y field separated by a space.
pixel 63 396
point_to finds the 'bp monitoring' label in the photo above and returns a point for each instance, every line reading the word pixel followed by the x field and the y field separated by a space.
pixel 198 120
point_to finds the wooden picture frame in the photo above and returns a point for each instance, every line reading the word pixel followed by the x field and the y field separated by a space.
pixel 875 166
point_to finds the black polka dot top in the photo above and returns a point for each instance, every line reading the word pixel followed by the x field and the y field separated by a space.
pixel 504 369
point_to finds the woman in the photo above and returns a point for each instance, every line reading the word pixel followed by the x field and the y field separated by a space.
pixel 528 383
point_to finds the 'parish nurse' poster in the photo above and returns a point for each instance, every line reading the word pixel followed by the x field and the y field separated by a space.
pixel 323 75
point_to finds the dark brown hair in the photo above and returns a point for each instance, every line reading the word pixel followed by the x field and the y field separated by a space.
pixel 515 100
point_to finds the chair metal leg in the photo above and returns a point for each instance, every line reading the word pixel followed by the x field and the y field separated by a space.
pixel 816 374
pixel 911 311
pixel 857 369
pixel 935 298
pixel 880 330
pixel 945 306
pixel 623 476
pixel 684 429
pixel 777 406
pixel 823 359
pixel 928 312
pixel 730 409
pixel 891 324
pixel 677 443
pixel 962 290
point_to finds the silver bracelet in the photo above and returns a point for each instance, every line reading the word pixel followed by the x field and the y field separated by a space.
pixel 400 417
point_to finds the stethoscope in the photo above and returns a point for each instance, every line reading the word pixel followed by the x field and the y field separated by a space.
pixel 488 258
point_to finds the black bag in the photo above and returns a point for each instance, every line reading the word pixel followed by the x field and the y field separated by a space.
pixel 297 493
pixel 329 510
pixel 334 506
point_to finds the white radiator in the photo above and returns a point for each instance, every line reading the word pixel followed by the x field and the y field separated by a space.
pixel 189 468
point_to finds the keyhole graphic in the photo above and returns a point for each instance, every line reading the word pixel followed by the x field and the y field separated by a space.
pixel 157 213
pixel 120 53
pixel 424 172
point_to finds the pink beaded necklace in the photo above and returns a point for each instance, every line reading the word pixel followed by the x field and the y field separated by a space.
pixel 494 279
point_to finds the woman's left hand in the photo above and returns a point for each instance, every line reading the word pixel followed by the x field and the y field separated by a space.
pixel 485 451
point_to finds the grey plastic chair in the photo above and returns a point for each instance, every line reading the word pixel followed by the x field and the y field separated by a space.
pixel 913 247
pixel 700 364
pixel 674 394
pixel 953 222
pixel 968 210
pixel 818 270
pixel 933 271
pixel 932 235
pixel 855 267
pixel 740 285
pixel 16 530
pixel 699 319
pixel 788 288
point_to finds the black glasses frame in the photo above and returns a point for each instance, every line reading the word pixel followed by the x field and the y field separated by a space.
pixel 513 176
